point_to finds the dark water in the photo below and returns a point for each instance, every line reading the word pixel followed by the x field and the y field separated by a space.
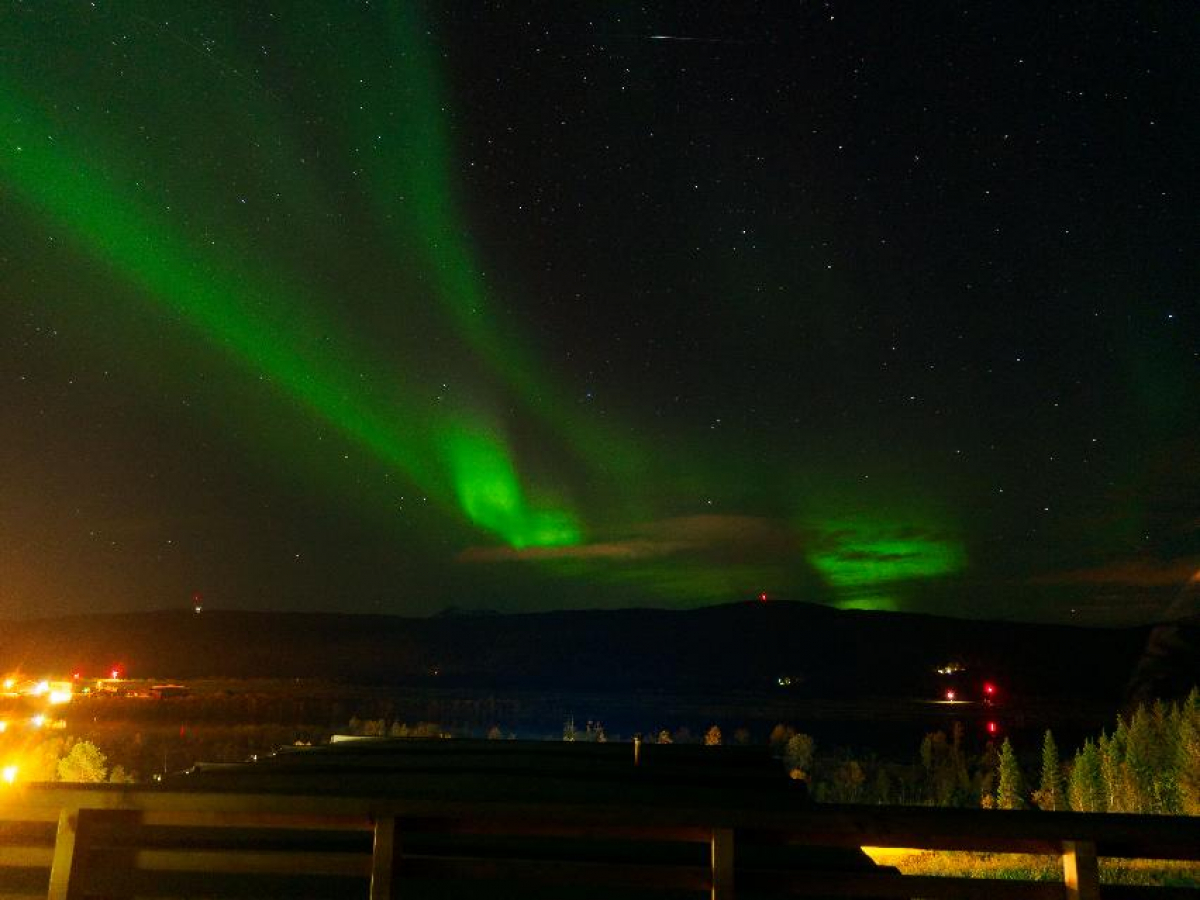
pixel 890 728
pixel 886 726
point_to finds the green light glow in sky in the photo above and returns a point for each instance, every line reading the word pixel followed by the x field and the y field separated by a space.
pixel 408 160
pixel 866 558
pixel 489 491
pixel 407 305
pixel 267 326
pixel 271 318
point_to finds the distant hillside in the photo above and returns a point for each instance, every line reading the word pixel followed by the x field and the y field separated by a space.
pixel 740 646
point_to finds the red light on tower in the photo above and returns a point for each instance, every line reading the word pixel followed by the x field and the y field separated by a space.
pixel 762 598
pixel 115 674
pixel 76 675
pixel 950 695
pixel 989 689
pixel 992 728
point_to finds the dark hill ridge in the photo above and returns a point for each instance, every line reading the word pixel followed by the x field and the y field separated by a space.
pixel 738 646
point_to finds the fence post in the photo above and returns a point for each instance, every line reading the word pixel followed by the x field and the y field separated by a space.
pixel 383 858
pixel 1081 870
pixel 722 864
pixel 64 874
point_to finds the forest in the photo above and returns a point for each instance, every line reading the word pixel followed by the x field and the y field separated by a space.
pixel 1148 762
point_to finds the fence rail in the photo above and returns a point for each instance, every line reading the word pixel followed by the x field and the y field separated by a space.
pixel 92 838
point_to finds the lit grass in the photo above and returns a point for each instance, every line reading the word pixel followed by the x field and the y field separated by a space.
pixel 1029 867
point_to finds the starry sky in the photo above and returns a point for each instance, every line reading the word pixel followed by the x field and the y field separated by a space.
pixel 394 307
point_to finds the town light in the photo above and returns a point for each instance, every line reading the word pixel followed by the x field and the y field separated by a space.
pixel 8 774
pixel 38 721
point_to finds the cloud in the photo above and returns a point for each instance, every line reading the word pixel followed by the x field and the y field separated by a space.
pixel 728 537
pixel 635 548
pixel 1131 573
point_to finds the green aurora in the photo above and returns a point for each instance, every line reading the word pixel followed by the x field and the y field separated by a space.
pixel 291 197
pixel 865 559
pixel 256 322
pixel 267 321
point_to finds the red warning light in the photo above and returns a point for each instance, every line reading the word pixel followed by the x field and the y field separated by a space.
pixel 989 688
pixel 992 727
pixel 762 598
pixel 950 695
pixel 116 673
pixel 76 675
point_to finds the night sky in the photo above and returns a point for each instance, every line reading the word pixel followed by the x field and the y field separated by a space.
pixel 377 307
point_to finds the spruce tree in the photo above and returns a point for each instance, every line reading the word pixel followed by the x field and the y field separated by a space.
pixel 1050 796
pixel 1086 787
pixel 1142 763
pixel 1010 793
pixel 1112 764
pixel 1187 755
pixel 1167 775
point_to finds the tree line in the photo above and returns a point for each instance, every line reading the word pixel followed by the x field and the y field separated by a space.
pixel 1149 763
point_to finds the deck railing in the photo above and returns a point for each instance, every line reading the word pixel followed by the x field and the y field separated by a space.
pixel 80 833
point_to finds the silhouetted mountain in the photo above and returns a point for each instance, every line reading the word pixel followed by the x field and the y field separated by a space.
pixel 826 652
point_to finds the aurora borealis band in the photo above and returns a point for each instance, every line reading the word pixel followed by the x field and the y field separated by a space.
pixel 395 307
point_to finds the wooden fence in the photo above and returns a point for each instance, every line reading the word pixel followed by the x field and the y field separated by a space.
pixel 94 839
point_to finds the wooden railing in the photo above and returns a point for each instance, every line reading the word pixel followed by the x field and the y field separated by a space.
pixel 95 839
